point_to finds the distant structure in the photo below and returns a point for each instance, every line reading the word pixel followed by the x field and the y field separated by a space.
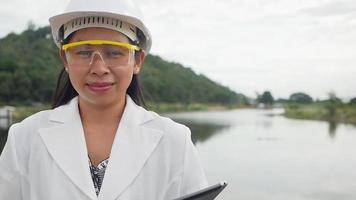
pixel 6 116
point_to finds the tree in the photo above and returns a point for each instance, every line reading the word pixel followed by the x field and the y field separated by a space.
pixel 331 106
pixel 300 97
pixel 353 101
pixel 333 98
pixel 267 98
pixel 31 25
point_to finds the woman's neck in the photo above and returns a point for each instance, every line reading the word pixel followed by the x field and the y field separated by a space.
pixel 101 114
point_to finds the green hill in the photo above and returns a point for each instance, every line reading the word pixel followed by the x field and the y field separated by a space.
pixel 29 65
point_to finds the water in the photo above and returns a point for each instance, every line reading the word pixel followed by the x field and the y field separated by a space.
pixel 269 157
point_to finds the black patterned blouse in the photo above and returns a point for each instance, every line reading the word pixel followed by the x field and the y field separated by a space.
pixel 97 173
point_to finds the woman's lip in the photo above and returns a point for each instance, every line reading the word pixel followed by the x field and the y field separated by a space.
pixel 99 87
pixel 100 84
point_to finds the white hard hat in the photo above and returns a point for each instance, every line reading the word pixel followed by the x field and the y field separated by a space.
pixel 109 10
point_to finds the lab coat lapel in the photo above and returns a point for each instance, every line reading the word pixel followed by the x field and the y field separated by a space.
pixel 133 145
pixel 66 144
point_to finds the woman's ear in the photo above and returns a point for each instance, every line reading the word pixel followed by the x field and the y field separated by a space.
pixel 139 58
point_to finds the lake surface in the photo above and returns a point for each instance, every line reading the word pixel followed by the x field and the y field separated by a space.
pixel 268 157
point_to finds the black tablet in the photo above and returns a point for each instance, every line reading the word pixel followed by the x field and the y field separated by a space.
pixel 208 193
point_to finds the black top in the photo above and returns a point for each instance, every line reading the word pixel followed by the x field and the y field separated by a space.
pixel 97 173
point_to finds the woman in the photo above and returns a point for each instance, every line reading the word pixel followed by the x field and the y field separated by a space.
pixel 98 143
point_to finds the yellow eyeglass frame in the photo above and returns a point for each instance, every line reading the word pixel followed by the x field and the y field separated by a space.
pixel 99 42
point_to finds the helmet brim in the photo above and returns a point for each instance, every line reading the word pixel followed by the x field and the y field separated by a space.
pixel 58 20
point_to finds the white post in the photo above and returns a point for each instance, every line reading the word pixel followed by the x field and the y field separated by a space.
pixel 6 116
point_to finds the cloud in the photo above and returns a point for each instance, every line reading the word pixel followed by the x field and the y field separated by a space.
pixel 16 14
pixel 247 45
pixel 333 8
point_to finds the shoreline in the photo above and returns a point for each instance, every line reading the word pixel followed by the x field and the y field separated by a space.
pixel 319 112
pixel 21 112
pixel 328 112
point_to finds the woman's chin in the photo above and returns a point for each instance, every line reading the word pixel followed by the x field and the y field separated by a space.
pixel 102 100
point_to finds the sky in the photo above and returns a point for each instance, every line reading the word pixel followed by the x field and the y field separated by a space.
pixel 250 46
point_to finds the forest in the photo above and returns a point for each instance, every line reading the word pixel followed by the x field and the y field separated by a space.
pixel 30 64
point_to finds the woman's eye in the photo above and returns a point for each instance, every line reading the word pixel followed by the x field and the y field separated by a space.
pixel 84 53
pixel 116 53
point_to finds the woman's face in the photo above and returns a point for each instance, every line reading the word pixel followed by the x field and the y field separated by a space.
pixel 98 83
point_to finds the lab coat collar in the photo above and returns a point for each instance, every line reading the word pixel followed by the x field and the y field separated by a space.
pixel 132 146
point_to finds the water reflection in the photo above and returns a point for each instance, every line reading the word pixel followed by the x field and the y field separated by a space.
pixel 332 125
pixel 3 137
pixel 201 131
pixel 332 129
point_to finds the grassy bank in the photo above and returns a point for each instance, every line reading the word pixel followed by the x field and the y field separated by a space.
pixel 179 107
pixel 341 113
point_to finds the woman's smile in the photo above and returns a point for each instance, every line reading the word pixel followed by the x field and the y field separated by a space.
pixel 100 86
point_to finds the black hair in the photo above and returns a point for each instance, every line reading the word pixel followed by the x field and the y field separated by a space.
pixel 65 91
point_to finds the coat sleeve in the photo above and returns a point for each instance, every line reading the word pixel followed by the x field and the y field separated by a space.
pixel 9 170
pixel 193 177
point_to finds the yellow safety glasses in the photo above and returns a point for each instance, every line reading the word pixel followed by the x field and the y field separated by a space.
pixel 113 54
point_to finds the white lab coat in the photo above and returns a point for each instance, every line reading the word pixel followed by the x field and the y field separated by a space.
pixel 152 158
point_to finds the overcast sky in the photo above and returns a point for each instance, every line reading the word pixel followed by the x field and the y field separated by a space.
pixel 284 46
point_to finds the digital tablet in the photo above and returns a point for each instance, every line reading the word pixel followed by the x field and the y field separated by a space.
pixel 208 193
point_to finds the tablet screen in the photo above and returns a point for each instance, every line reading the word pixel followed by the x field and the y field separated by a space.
pixel 208 193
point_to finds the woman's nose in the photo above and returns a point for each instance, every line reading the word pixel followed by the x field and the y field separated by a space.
pixel 97 64
pixel 96 57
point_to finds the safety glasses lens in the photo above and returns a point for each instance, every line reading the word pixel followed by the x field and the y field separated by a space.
pixel 86 55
